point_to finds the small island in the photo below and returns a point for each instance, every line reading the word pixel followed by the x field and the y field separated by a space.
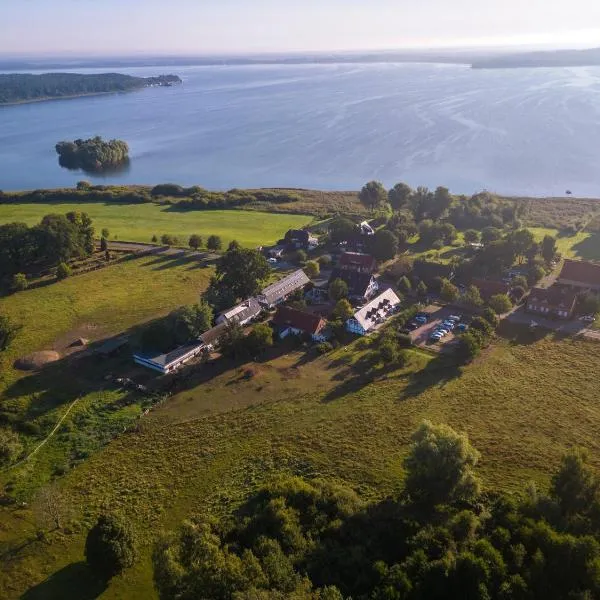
pixel 17 88
pixel 94 155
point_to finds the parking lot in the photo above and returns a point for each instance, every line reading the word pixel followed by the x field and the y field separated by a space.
pixel 421 335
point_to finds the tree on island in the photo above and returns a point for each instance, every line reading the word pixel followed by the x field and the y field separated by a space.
pixel 93 155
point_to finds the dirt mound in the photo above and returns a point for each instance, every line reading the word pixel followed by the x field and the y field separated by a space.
pixel 37 360
pixel 79 342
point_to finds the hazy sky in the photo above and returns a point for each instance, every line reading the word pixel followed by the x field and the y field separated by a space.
pixel 201 26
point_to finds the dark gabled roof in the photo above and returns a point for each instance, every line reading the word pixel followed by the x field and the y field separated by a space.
pixel 297 234
pixel 112 345
pixel 212 335
pixel 292 282
pixel 583 272
pixel 555 297
pixel 298 319
pixel 243 311
pixel 357 260
pixel 490 287
pixel 357 282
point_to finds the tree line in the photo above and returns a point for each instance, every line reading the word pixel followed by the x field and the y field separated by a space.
pixel 442 537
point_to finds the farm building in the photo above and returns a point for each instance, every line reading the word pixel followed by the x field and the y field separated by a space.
pixel 290 321
pixel 373 314
pixel 242 313
pixel 361 285
pixel 171 361
pixel 278 292
pixel 580 274
pixel 555 301
pixel 211 337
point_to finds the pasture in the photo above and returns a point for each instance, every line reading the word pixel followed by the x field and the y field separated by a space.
pixel 139 222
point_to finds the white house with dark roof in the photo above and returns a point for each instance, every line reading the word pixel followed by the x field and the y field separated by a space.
pixel 170 361
pixel 278 292
pixel 374 313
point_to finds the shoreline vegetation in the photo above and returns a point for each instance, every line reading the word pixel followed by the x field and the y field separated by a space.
pixel 21 88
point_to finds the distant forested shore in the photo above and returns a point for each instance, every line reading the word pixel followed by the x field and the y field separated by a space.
pixel 17 88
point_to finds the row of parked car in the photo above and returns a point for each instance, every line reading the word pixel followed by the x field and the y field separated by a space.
pixel 453 322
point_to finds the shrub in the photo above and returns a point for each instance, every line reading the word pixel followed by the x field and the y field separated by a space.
pixel 324 260
pixel 103 244
pixel 404 340
pixel 491 317
pixel 109 547
pixel 312 269
pixel 168 239
pixel 338 289
pixel 10 446
pixel 19 282
pixel 300 257
pixel 63 271
pixel 324 347
pixel 500 303
pixel 195 241
pixel 214 243
pixel 468 347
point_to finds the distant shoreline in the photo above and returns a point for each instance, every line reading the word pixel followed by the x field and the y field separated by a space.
pixel 70 97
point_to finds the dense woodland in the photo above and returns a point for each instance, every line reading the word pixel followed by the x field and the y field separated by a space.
pixel 440 538
pixel 56 240
pixel 25 87
pixel 93 155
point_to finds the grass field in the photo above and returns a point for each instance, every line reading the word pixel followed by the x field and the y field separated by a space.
pixel 583 245
pixel 522 403
pixel 139 222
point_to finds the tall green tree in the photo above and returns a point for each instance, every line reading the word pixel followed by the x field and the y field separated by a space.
pixel 549 248
pixel 399 195
pixel 338 289
pixel 373 195
pixel 383 245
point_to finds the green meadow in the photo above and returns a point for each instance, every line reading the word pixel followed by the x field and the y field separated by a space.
pixel 139 222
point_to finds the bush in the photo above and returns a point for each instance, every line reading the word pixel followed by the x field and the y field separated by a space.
pixel 10 446
pixel 300 257
pixel 110 547
pixel 19 282
pixel 214 243
pixel 195 241
pixel 63 271
pixel 500 303
pixel 404 340
pixel 168 240
pixel 324 347
pixel 468 347
pixel 312 269
pixel 324 260
pixel 491 317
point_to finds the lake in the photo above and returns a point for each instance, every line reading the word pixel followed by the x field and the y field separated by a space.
pixel 522 131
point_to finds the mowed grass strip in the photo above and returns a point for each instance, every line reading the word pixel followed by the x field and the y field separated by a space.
pixel 139 222
pixel 522 406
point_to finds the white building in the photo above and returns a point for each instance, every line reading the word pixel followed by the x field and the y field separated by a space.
pixel 278 292
pixel 170 361
pixel 374 313
pixel 242 313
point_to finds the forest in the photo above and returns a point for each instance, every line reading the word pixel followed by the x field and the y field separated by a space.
pixel 93 155
pixel 25 87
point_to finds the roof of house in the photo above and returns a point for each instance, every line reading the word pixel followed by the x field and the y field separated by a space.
pixel 297 234
pixel 581 272
pixel 356 281
pixel 376 309
pixel 357 260
pixel 555 296
pixel 274 292
pixel 168 358
pixel 490 287
pixel 243 311
pixel 212 335
pixel 298 319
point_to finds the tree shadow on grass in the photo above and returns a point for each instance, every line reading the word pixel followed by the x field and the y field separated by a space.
pixel 74 581
pixel 437 373
pixel 589 248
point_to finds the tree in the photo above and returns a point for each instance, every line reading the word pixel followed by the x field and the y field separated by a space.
pixel 383 245
pixel 103 244
pixel 440 203
pixel 500 303
pixel 399 195
pixel 168 240
pixel 233 245
pixel 8 332
pixel 312 269
pixel 105 233
pixel 341 229
pixel 548 248
pixel 154 239
pixel 195 241
pixel 535 273
pixel 63 271
pixel 490 316
pixel 50 508
pixel 190 322
pixel 10 446
pixel 241 271
pixel 404 285
pixel 483 326
pixel 522 241
pixel 214 243
pixel 422 290
pixel 373 195
pixel 324 260
pixel 389 351
pixel 440 466
pixel 233 340
pixel 338 289
pixel 342 310
pixel 300 256
pixel 468 347
pixel 19 282
pixel 471 236
pixel 259 339
pixel 472 297
pixel 520 281
pixel 575 485
pixel 110 546
pixel 490 234
pixel 448 291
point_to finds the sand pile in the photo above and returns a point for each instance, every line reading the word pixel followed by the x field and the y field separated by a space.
pixel 37 360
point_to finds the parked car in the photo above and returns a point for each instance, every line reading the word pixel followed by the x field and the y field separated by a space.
pixel 588 318
pixel 442 332
pixel 423 315
pixel 435 337
pixel 272 261
pixel 449 325
pixel 455 318
pixel 463 327
pixel 420 319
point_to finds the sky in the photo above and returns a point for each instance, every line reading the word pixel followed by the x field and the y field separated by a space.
pixel 93 27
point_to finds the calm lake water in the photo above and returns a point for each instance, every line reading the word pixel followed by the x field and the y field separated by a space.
pixel 331 127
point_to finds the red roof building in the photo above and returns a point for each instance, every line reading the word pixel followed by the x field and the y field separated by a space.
pixel 356 261
pixel 291 321
pixel 490 287
pixel 580 274
pixel 555 301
